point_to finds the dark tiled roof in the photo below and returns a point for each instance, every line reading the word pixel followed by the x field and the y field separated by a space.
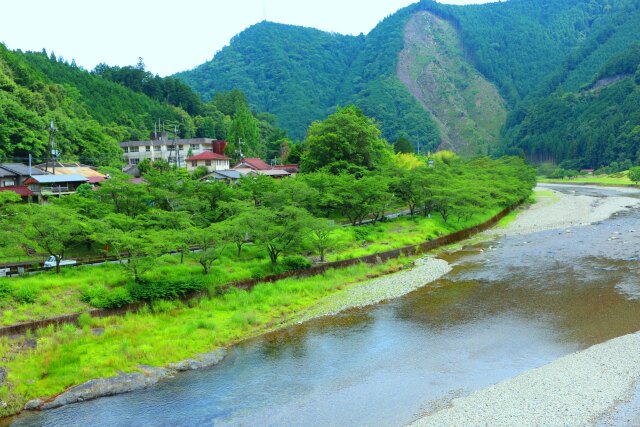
pixel 21 169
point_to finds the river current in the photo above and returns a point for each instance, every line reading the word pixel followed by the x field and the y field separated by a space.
pixel 509 305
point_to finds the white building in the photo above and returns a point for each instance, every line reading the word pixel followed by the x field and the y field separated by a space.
pixel 172 151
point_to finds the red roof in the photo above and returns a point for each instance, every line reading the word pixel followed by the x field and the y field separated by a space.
pixel 255 163
pixel 207 155
pixel 96 179
pixel 291 168
pixel 18 189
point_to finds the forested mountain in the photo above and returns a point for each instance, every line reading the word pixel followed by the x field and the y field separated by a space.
pixel 288 71
pixel 94 111
pixel 430 71
pixel 554 80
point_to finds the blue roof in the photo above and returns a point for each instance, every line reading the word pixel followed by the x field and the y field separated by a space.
pixel 226 174
pixel 51 179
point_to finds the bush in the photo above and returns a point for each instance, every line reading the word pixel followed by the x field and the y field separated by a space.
pixel 296 262
pixel 5 289
pixel 26 294
pixel 149 290
pixel 101 297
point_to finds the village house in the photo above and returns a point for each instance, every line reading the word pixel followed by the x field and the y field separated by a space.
pixel 44 186
pixel 208 159
pixel 174 151
pixel 13 177
pixel 256 166
pixel 89 172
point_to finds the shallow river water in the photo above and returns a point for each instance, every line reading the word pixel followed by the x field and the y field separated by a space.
pixel 509 305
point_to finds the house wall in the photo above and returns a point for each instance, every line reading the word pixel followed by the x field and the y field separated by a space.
pixel 215 165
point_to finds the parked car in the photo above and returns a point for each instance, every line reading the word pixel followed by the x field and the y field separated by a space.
pixel 51 262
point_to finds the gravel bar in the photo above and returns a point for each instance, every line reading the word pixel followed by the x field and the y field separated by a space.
pixel 565 210
pixel 575 390
pixel 583 388
pixel 425 271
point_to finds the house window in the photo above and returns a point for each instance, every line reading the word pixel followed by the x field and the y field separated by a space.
pixel 10 183
pixel 207 162
pixel 181 147
pixel 135 149
pixel 194 163
pixel 126 149
pixel 156 148
pixel 135 161
pixel 148 148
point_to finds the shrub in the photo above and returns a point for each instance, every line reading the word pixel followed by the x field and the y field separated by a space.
pixel 101 297
pixel 5 289
pixel 85 320
pixel 26 294
pixel 149 290
pixel 296 262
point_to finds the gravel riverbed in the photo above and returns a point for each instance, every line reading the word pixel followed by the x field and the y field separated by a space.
pixel 562 210
pixel 580 389
pixel 425 270
pixel 575 390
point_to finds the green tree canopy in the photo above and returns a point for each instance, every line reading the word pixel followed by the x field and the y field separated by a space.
pixel 345 138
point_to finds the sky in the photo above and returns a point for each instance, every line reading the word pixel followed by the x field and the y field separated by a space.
pixel 170 36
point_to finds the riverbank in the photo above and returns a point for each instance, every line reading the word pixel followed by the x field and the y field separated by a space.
pixel 424 271
pixel 575 390
pixel 159 334
pixel 556 210
pixel 579 389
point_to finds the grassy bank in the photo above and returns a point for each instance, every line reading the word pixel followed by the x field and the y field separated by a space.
pixel 74 290
pixel 618 179
pixel 168 331
pixel 163 332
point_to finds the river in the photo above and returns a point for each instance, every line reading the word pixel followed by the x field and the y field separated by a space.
pixel 510 304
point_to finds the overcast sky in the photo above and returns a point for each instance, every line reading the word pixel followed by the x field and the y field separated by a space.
pixel 170 36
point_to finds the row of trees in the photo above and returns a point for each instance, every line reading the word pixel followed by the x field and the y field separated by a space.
pixel 172 212
pixel 351 175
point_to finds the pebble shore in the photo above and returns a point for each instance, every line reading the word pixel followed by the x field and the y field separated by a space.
pixel 425 270
pixel 575 390
pixel 580 389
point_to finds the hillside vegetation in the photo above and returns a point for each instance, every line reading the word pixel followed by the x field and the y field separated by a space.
pixel 94 111
pixel 430 71
pixel 467 107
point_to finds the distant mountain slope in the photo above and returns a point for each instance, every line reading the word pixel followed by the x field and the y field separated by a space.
pixel 430 71
pixel 301 75
pixel 590 128
pixel 468 108
pixel 292 72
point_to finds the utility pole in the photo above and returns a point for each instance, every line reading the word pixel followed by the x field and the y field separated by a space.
pixel 175 145
pixel 52 150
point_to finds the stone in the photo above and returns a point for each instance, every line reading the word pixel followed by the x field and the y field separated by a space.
pixel 3 374
pixel 33 405
pixel 204 360
pixel 123 383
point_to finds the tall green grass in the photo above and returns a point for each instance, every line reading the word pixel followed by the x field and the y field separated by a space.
pixel 162 332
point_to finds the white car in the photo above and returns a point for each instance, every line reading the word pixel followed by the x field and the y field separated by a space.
pixel 51 262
